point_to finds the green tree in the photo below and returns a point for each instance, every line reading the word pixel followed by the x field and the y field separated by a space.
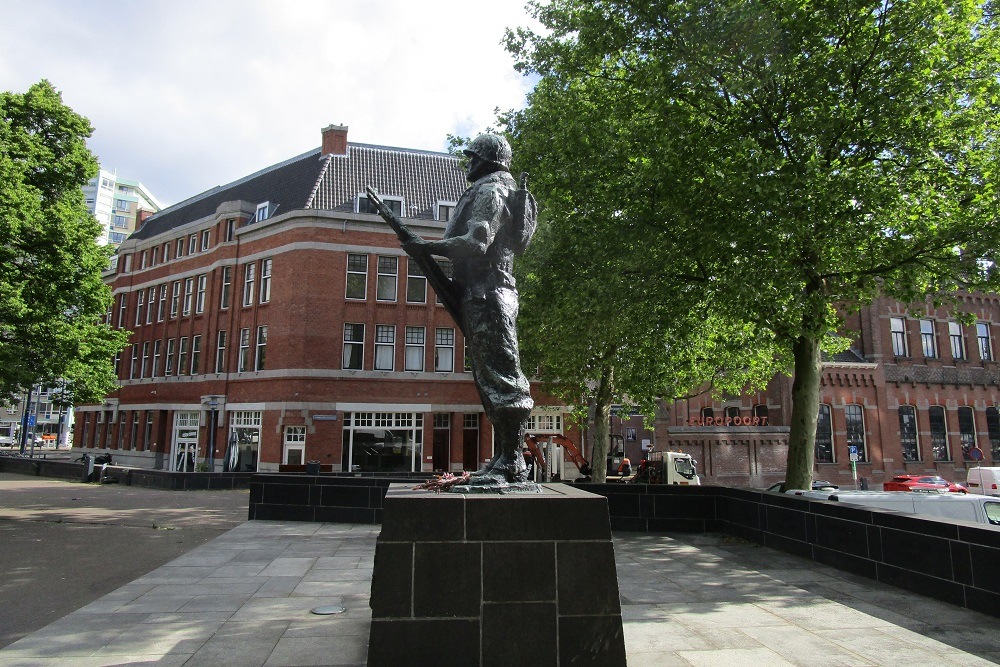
pixel 52 297
pixel 794 158
pixel 589 321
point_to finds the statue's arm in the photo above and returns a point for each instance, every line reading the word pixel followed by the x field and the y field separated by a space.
pixel 487 212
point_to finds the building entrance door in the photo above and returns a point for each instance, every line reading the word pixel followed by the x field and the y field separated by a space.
pixel 184 450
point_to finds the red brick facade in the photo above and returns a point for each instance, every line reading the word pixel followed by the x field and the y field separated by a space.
pixel 283 381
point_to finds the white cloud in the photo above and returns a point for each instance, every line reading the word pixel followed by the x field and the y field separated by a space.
pixel 187 95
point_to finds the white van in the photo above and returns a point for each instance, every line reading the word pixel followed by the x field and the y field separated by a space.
pixel 966 507
pixel 984 481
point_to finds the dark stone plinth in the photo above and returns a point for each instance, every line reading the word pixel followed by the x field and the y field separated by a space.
pixel 495 580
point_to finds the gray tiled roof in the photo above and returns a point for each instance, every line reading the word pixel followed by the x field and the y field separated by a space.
pixel 331 182
pixel 421 178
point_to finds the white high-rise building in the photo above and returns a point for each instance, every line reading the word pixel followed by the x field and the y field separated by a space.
pixel 119 204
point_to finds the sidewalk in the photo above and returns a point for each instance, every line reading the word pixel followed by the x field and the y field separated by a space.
pixel 704 600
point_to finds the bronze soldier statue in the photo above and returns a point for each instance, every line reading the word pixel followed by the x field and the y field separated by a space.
pixel 492 224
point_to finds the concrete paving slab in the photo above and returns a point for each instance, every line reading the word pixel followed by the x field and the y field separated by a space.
pixel 245 598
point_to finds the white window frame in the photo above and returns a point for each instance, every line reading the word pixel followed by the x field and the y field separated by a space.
pixel 260 352
pixel 388 200
pixel 444 350
pixel 244 358
pixel 928 337
pixel 354 344
pixel 985 341
pixel 168 364
pixel 263 211
pixel 220 351
pixel 385 347
pixel 416 338
pixel 356 271
pixel 266 265
pixel 449 205
pixel 249 278
pixel 195 354
pixel 161 308
pixel 957 339
pixel 227 284
pixel 897 332
pixel 188 295
pixel 175 299
pixel 295 440
pixel 199 302
pixel 415 280
pixel 139 301
pixel 387 281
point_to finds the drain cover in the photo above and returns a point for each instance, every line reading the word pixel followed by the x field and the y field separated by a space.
pixel 326 610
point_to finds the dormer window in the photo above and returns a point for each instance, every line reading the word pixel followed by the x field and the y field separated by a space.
pixel 263 211
pixel 445 209
pixel 395 204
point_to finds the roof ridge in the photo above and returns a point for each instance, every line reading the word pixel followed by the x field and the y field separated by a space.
pixel 232 184
pixel 315 187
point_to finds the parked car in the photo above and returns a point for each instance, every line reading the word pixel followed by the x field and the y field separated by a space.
pixel 922 483
pixel 817 485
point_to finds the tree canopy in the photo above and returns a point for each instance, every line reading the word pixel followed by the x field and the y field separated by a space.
pixel 52 297
pixel 788 160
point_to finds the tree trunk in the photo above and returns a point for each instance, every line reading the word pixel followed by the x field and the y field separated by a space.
pixel 805 411
pixel 602 417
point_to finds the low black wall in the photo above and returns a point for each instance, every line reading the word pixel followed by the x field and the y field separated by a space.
pixel 954 561
pixel 41 468
pixel 343 497
pixel 155 479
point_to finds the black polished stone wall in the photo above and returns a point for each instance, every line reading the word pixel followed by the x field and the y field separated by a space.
pixel 345 497
pixel 495 580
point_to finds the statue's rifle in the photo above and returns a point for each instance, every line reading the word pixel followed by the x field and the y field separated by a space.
pixel 442 285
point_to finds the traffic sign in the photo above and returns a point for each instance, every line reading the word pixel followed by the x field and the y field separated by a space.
pixel 976 454
pixel 31 421
pixel 853 451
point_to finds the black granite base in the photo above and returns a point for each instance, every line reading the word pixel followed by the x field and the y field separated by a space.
pixel 495 580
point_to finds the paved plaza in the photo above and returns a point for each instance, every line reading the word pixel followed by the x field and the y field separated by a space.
pixel 245 598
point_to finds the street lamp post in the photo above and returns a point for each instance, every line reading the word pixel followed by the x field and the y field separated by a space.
pixel 213 404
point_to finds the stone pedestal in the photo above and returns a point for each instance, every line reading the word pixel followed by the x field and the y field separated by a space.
pixel 495 580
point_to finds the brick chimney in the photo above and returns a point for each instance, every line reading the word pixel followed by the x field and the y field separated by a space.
pixel 335 140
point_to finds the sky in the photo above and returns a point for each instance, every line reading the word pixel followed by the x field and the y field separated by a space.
pixel 186 95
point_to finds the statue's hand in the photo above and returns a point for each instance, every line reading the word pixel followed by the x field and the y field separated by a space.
pixel 415 246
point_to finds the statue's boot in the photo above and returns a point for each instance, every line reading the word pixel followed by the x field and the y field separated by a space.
pixel 504 467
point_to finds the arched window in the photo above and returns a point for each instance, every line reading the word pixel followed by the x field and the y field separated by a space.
pixel 706 415
pixel 908 432
pixel 824 435
pixel 939 433
pixel 855 418
pixel 967 431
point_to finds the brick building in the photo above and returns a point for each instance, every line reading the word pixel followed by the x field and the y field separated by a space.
pixel 916 394
pixel 279 311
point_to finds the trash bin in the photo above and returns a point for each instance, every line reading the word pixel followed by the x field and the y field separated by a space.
pixel 88 468
pixel 312 467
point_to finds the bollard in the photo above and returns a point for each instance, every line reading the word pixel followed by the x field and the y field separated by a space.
pixel 88 468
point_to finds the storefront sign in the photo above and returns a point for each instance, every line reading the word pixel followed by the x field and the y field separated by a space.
pixel 727 421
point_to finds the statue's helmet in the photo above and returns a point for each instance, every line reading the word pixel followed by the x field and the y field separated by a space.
pixel 491 147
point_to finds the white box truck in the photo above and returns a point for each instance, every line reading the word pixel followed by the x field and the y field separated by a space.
pixel 965 507
pixel 984 481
